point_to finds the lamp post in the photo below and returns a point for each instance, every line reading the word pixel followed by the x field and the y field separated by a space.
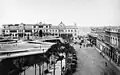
pixel 61 67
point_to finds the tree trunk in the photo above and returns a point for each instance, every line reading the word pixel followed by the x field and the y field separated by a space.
pixel 61 67
pixel 65 61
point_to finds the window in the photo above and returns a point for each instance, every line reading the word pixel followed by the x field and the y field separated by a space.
pixel 46 30
pixel 75 34
pixel 56 30
pixel 68 30
pixel 111 37
pixel 75 37
pixel 28 30
pixel 15 34
pixel 75 30
pixel 34 26
pixel 53 30
pixel 40 26
pixel 65 30
pixel 3 30
pixel 71 30
pixel 13 30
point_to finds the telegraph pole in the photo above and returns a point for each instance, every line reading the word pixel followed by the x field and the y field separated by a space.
pixel 35 69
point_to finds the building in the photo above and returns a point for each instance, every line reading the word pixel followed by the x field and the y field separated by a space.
pixel 17 31
pixel 24 30
pixel 108 41
pixel 62 30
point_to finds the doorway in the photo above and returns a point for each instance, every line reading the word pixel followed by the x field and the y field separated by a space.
pixel 40 33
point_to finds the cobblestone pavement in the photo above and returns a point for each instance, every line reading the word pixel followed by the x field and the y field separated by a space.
pixel 90 62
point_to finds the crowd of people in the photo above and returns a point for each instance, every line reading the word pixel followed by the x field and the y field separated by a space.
pixel 84 43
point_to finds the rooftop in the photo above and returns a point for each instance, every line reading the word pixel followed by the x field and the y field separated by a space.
pixel 23 45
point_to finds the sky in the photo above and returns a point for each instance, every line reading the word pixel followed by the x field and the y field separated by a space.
pixel 81 12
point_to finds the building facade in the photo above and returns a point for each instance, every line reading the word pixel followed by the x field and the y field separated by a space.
pixel 17 31
pixel 108 41
pixel 24 30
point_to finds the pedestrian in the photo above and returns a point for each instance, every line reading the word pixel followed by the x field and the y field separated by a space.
pixel 105 64
pixel 84 45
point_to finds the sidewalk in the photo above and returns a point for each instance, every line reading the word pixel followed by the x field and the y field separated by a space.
pixel 108 59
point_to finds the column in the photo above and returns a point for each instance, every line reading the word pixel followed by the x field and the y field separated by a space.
pixel 24 72
pixel 35 69
pixel 61 67
pixel 42 69
pixel 23 34
pixel 39 69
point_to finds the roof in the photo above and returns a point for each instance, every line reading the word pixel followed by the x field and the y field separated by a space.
pixel 60 26
pixel 43 24
pixel 66 27
pixel 54 27
pixel 22 45
pixel 23 49
pixel 69 27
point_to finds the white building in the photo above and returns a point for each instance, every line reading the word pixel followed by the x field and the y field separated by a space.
pixel 40 29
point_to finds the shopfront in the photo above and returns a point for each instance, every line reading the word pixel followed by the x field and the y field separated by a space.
pixel 102 47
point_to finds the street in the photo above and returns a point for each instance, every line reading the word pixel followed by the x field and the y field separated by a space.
pixel 90 62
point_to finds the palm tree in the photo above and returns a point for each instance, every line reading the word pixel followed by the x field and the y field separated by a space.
pixel 53 50
pixel 68 50
pixel 58 48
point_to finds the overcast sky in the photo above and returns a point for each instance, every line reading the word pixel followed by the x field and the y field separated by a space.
pixel 81 12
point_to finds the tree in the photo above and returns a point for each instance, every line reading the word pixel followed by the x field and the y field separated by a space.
pixel 54 49
pixel 67 37
pixel 58 48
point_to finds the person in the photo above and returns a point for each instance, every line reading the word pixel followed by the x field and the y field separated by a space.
pixel 106 64
pixel 84 45
pixel 80 46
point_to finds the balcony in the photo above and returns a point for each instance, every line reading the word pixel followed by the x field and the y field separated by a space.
pixel 28 27
pixel 108 43
pixel 13 27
